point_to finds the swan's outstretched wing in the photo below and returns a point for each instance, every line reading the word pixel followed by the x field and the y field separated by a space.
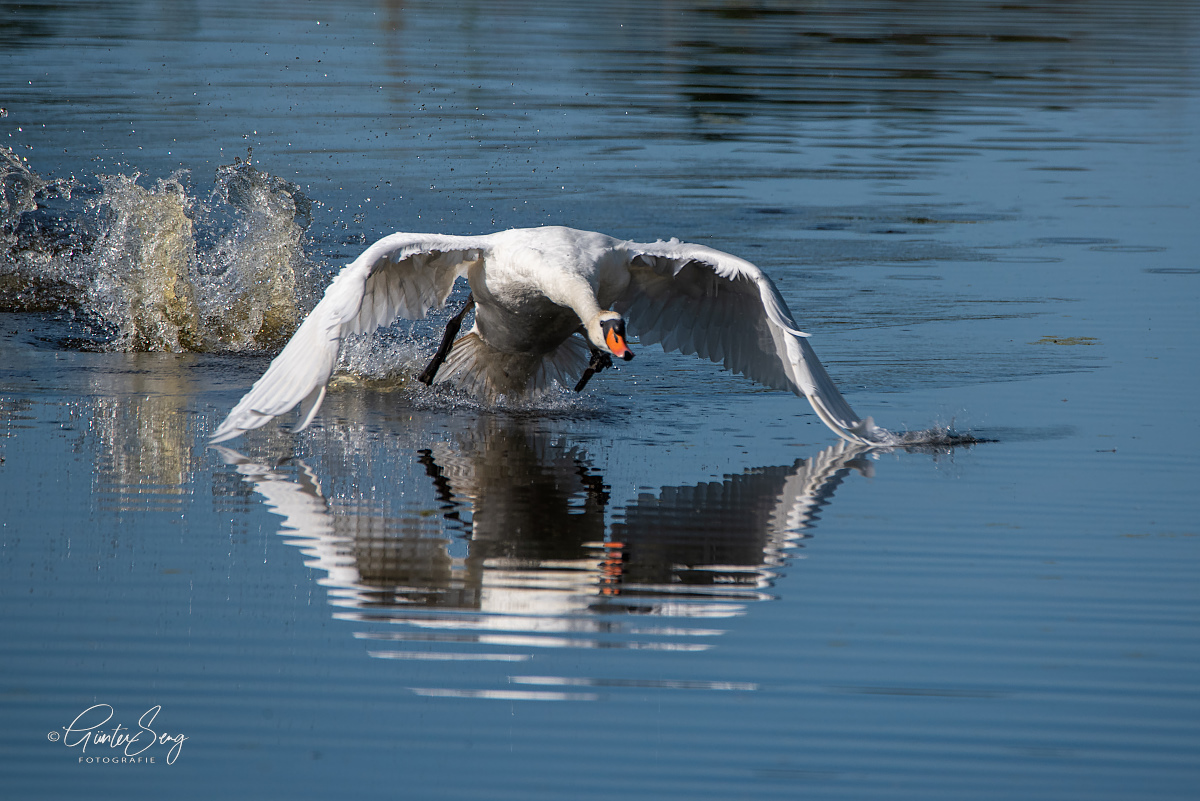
pixel 698 300
pixel 402 275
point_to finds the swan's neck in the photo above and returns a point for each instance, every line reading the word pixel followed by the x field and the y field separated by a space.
pixel 577 294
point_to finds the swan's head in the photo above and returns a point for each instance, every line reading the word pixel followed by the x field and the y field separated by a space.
pixel 607 333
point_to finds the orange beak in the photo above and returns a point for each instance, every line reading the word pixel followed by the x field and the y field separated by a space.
pixel 616 343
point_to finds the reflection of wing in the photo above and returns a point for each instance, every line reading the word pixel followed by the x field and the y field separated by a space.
pixel 403 275
pixel 725 534
pixel 370 559
pixel 694 299
pixel 304 513
pixel 812 483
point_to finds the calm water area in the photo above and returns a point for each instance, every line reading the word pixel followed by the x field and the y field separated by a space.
pixel 677 584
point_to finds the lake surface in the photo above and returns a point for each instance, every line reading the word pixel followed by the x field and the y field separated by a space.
pixel 677 584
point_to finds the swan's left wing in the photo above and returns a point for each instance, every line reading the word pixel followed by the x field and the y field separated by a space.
pixel 402 275
pixel 702 301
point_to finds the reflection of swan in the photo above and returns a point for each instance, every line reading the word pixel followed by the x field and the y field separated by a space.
pixel 533 290
pixel 544 568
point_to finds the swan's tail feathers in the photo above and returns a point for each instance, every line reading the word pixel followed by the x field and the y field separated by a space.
pixel 563 365
pixel 810 379
pixel 479 369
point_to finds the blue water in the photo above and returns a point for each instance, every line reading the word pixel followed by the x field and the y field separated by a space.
pixel 678 584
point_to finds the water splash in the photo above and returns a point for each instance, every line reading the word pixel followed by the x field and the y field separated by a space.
pixel 34 239
pixel 260 303
pixel 938 438
pixel 157 268
pixel 142 267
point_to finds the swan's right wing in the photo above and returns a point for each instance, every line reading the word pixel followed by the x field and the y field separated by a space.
pixel 402 275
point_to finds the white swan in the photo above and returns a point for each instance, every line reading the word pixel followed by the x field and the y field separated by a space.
pixel 533 289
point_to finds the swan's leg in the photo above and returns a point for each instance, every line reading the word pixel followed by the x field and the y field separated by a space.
pixel 426 377
pixel 600 360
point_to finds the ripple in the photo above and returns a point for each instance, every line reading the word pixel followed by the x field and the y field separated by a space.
pixel 1075 240
pixel 654 684
pixel 504 695
pixel 449 656
pixel 1128 248
pixel 524 641
pixel 1013 259
pixel 1173 270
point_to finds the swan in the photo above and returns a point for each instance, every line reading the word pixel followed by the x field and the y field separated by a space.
pixel 533 290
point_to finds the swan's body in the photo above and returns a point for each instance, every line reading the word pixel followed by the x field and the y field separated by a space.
pixel 534 289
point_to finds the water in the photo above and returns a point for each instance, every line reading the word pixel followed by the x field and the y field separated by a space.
pixel 676 585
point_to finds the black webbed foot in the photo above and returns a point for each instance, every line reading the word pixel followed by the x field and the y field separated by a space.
pixel 600 361
pixel 455 323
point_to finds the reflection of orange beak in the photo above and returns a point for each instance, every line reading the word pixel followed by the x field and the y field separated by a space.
pixel 616 343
